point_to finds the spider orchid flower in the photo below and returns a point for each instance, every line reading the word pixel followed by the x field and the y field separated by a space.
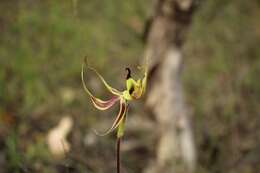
pixel 134 90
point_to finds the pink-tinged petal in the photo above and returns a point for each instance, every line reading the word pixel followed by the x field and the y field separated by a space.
pixel 98 103
pixel 119 118
pixel 104 105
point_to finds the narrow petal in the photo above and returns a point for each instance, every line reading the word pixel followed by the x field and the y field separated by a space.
pixel 144 80
pixel 98 103
pixel 111 89
pixel 104 105
pixel 119 118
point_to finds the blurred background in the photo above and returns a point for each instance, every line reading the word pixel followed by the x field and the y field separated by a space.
pixel 42 46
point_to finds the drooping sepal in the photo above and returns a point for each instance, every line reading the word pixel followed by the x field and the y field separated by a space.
pixel 98 103
pixel 109 88
pixel 118 120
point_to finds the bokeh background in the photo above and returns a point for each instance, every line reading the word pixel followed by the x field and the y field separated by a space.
pixel 42 46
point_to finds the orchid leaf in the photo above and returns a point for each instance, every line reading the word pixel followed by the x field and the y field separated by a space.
pixel 121 127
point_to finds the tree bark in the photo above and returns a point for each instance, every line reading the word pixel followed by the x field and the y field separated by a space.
pixel 175 151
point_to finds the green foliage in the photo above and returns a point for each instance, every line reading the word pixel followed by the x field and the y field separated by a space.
pixel 45 44
pixel 13 155
pixel 42 46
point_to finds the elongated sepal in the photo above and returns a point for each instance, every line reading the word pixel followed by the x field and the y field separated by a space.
pixel 98 103
pixel 109 88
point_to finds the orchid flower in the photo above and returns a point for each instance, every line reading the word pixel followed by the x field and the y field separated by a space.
pixel 134 90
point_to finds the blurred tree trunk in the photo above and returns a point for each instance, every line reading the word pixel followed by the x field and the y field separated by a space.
pixel 175 150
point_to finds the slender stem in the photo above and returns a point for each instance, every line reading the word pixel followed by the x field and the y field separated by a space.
pixel 118 154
